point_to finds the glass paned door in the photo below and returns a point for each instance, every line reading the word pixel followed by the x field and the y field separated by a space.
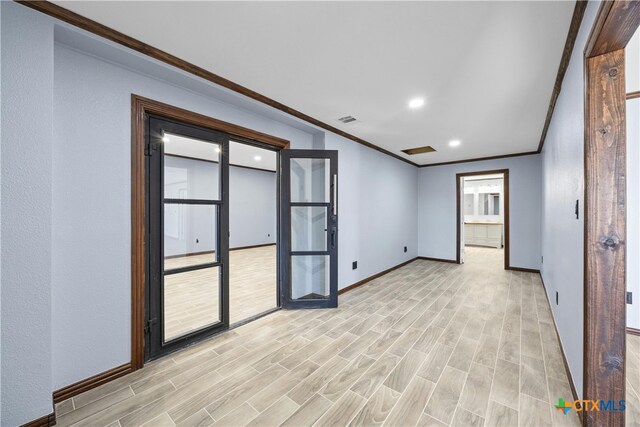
pixel 309 232
pixel 187 288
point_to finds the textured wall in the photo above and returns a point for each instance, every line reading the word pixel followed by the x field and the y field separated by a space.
pixel 27 104
pixel 0 219
pixel 632 74
pixel 633 211
pixel 376 210
pixel 563 184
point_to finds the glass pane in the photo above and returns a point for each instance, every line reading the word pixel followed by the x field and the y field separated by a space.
pixel 310 180
pixel 189 235
pixel 308 228
pixel 191 301
pixel 310 277
pixel 191 168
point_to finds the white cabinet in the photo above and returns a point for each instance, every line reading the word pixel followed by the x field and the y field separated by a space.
pixel 483 234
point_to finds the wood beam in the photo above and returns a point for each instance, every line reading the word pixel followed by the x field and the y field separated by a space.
pixel 605 235
pixel 615 24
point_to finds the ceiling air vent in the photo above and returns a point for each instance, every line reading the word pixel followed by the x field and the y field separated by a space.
pixel 347 119
pixel 419 150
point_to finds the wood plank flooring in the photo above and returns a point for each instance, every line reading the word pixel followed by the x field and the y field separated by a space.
pixel 191 298
pixel 632 414
pixel 429 344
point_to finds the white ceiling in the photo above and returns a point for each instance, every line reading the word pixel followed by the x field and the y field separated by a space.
pixel 485 69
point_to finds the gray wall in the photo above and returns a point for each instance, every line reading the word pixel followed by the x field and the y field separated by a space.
pixel 0 220
pixel 633 211
pixel 563 184
pixel 27 95
pixel 632 74
pixel 377 210
pixel 437 208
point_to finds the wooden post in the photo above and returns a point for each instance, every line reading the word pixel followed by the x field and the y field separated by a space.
pixel 605 236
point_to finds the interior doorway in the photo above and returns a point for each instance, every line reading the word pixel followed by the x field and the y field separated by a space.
pixel 191 246
pixel 483 217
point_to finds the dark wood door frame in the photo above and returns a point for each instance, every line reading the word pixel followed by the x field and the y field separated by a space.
pixel 505 173
pixel 141 108
pixel 605 208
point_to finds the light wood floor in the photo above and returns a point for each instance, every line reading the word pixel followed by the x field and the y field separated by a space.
pixel 428 344
pixel 632 415
pixel 191 299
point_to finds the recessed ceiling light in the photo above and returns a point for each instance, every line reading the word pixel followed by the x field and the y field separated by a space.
pixel 165 139
pixel 257 158
pixel 454 143
pixel 416 103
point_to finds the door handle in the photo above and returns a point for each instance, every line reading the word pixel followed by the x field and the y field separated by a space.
pixel 334 184
pixel 333 237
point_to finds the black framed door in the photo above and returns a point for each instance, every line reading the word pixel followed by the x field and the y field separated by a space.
pixel 188 235
pixel 309 232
